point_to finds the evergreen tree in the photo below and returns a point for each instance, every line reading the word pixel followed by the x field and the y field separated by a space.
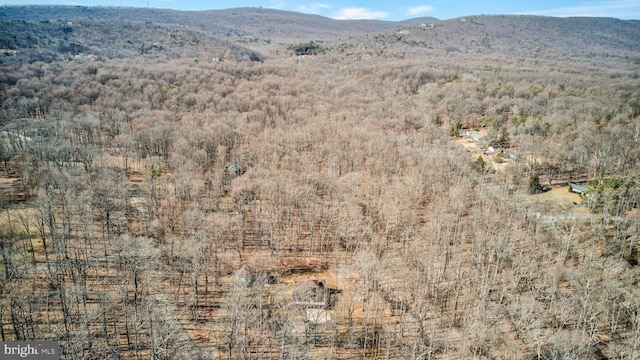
pixel 534 185
pixel 503 139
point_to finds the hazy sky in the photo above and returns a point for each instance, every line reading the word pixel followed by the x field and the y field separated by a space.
pixel 389 9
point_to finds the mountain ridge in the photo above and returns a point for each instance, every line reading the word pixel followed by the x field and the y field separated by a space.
pixel 269 31
pixel 227 17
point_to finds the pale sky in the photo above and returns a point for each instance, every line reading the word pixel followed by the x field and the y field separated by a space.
pixel 386 10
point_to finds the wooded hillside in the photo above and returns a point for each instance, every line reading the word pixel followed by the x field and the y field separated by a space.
pixel 186 186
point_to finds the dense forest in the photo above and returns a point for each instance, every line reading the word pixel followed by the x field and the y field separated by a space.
pixel 257 184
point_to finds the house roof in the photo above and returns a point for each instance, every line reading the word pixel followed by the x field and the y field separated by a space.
pixel 307 284
pixel 578 188
pixel 309 292
pixel 308 288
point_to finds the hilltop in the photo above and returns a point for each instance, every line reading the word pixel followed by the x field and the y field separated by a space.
pixel 594 40
pixel 250 22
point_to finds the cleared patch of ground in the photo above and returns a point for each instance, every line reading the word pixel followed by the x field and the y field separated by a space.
pixel 475 150
pixel 554 201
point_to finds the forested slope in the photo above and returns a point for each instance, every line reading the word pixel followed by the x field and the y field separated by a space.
pixel 250 22
pixel 164 186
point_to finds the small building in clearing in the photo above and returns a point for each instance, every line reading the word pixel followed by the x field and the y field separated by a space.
pixel 578 189
pixel 309 292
